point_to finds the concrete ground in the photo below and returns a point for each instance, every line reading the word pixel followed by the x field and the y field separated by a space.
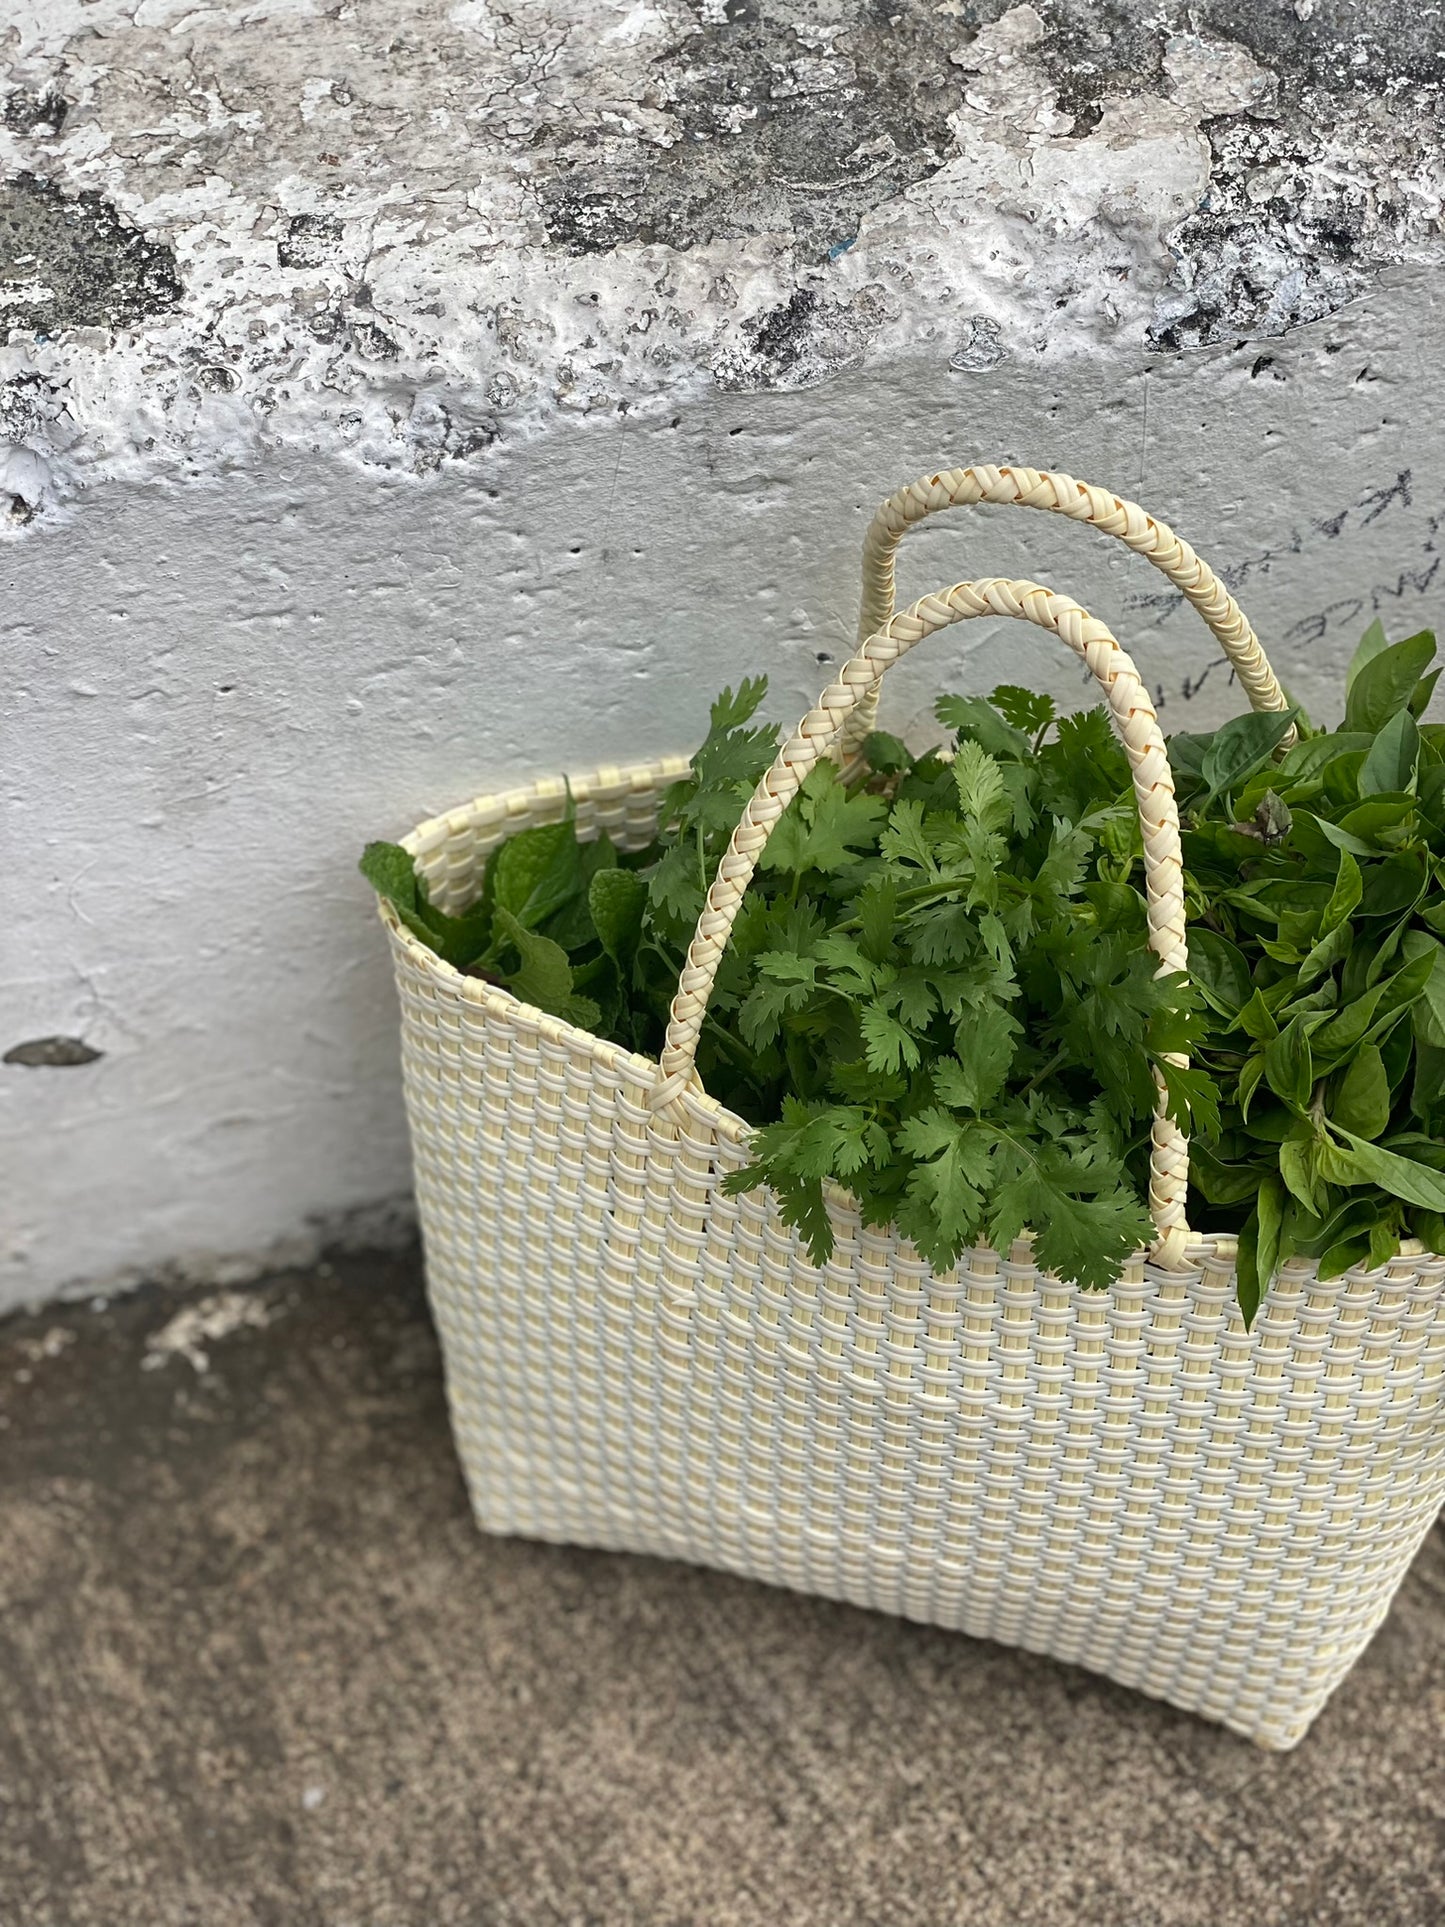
pixel 257 1669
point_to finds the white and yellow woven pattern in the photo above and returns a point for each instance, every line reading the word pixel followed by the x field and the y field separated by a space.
pixel 1126 1480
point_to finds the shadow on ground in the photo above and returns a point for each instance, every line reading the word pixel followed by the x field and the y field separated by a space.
pixel 257 1669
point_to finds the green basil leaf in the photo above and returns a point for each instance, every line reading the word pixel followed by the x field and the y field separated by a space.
pixel 1345 895
pixel 1248 1288
pixel 1384 683
pixel 1219 969
pixel 1343 1257
pixel 1186 759
pixel 1362 1101
pixel 1305 760
pixel 1327 953
pixel 1332 833
pixel 1243 745
pixel 1297 1168
pixel 1288 1065
pixel 1393 886
pixel 1249 1078
pixel 1368 1163
pixel 1429 1011
pixel 1427 1098
pixel 1389 768
pixel 1218 1182
pixel 1370 645
pixel 1424 690
pixel 1256 1020
pixel 1375 818
pixel 1270 1214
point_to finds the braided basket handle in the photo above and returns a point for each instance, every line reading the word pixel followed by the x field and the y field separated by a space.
pixel 1035 488
pixel 819 734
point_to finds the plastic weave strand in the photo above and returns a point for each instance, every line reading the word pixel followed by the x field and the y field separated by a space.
pixel 1126 1480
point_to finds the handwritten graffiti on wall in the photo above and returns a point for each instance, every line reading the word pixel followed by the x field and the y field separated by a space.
pixel 1355 611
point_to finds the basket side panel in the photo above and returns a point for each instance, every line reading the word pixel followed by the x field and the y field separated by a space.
pixel 1129 1480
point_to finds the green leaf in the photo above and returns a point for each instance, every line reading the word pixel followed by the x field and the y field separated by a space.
pixel 731 711
pixel 888 1044
pixel 973 718
pixel 1343 1256
pixel 986 1041
pixel 1385 681
pixel 1288 1065
pixel 946 1192
pixel 676 885
pixel 1424 690
pixel 1366 1163
pixel 1304 761
pixel 1244 745
pixel 616 899
pixel 1220 970
pixel 1026 709
pixel 1192 1100
pixel 824 828
pixel 543 978
pixel 1367 1017
pixel 1332 833
pixel 1389 768
pixel 1345 895
pixel 980 787
pixel 885 754
pixel 1259 1248
pixel 1299 1168
pixel 1429 1010
pixel 1256 1019
pixel 391 872
pixel 1086 1241
pixel 1370 645
pixel 537 872
pixel 1186 759
pixel 1362 1102
pixel 905 840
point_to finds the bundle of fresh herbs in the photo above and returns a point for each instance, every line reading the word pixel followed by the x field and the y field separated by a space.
pixel 938 993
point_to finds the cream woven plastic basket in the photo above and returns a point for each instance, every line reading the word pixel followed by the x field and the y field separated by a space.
pixel 1127 1480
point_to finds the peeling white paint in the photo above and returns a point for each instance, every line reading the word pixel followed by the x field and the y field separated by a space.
pixel 431 139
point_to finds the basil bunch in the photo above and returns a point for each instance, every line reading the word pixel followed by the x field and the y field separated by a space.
pixel 1316 909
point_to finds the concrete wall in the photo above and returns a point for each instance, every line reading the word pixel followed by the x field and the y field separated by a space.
pixel 393 413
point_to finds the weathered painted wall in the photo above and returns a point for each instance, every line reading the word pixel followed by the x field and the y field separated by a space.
pixel 392 409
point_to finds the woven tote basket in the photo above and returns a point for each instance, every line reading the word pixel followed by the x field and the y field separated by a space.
pixel 1127 1480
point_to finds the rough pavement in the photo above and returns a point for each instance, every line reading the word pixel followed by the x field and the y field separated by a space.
pixel 259 1670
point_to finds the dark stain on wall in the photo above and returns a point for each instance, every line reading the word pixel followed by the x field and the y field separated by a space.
pixel 72 262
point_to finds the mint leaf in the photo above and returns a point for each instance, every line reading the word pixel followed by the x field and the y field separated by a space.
pixel 616 899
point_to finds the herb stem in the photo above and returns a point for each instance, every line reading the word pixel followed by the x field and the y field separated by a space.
pixel 1046 1071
